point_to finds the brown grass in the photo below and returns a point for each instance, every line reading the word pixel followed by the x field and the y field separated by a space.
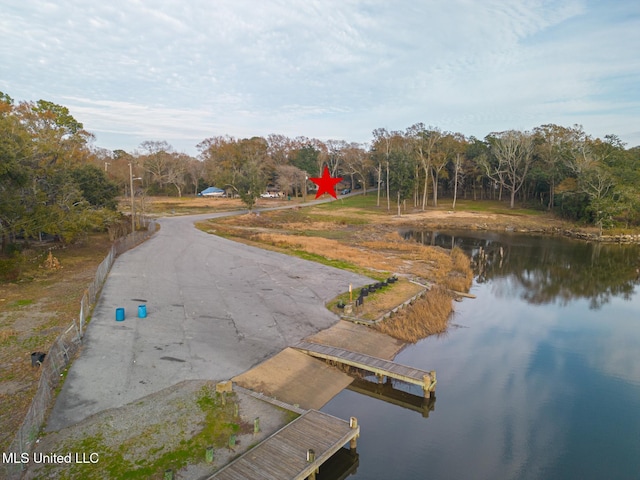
pixel 7 334
pixel 427 316
pixel 460 277
pixel 328 248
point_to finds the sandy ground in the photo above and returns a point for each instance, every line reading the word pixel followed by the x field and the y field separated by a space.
pixel 295 378
pixel 481 221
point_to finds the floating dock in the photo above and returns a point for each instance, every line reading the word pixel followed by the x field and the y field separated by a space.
pixel 378 366
pixel 296 451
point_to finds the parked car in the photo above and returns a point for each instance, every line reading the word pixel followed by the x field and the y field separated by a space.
pixel 345 191
pixel 269 195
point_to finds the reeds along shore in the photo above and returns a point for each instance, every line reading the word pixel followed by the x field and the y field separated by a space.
pixel 430 314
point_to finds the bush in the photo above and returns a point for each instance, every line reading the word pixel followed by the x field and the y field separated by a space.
pixel 11 266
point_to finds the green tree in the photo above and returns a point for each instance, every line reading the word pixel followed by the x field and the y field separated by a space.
pixel 95 187
pixel 251 183
pixel 401 178
pixel 306 158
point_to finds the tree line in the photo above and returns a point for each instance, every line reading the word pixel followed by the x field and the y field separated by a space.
pixel 54 181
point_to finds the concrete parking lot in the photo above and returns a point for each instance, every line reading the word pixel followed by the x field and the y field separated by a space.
pixel 215 308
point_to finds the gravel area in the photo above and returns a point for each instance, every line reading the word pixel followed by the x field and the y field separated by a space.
pixel 140 434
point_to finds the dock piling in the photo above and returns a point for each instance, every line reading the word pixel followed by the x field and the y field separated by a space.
pixel 353 443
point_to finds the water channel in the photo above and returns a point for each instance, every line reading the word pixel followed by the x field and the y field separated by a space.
pixel 538 377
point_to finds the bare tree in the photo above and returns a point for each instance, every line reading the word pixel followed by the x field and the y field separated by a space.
pixel 513 151
pixel 176 173
pixel 382 147
pixel 453 147
pixel 356 163
pixel 290 179
pixel 425 141
pixel 195 171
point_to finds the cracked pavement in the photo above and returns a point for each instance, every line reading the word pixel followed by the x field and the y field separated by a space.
pixel 215 308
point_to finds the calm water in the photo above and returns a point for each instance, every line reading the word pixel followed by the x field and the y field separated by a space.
pixel 539 378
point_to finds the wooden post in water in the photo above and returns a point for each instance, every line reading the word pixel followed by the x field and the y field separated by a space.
pixel 429 380
pixel 427 383
pixel 353 443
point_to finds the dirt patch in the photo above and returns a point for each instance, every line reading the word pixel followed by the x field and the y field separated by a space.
pixel 33 312
pixel 187 205
pixel 482 221
pixel 295 378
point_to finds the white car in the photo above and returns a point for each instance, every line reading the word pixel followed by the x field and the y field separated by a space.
pixel 269 195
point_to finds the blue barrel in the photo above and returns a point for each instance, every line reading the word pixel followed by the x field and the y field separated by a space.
pixel 119 314
pixel 142 311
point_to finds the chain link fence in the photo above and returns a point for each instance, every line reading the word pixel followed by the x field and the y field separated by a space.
pixel 62 351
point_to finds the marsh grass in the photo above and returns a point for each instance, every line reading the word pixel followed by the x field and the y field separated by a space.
pixel 428 315
pixel 460 277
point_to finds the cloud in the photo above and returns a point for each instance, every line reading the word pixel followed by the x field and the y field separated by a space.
pixel 331 68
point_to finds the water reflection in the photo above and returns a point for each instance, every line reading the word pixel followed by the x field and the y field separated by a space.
pixel 543 270
pixel 540 384
pixel 388 393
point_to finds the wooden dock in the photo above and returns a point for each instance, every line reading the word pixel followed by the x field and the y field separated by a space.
pixel 296 451
pixel 381 368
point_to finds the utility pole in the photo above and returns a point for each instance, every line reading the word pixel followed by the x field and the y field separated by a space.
pixel 304 189
pixel 133 206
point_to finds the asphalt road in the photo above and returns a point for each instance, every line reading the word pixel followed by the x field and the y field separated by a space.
pixel 215 308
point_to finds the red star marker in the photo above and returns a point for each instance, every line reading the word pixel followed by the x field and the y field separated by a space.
pixel 326 184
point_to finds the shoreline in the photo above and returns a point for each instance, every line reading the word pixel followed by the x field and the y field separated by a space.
pixel 508 223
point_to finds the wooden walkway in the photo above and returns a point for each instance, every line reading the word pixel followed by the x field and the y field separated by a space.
pixel 284 455
pixel 382 368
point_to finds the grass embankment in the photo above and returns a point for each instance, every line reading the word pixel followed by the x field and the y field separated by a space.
pixel 355 235
pixel 429 315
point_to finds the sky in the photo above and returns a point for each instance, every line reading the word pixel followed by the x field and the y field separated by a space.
pixel 186 70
